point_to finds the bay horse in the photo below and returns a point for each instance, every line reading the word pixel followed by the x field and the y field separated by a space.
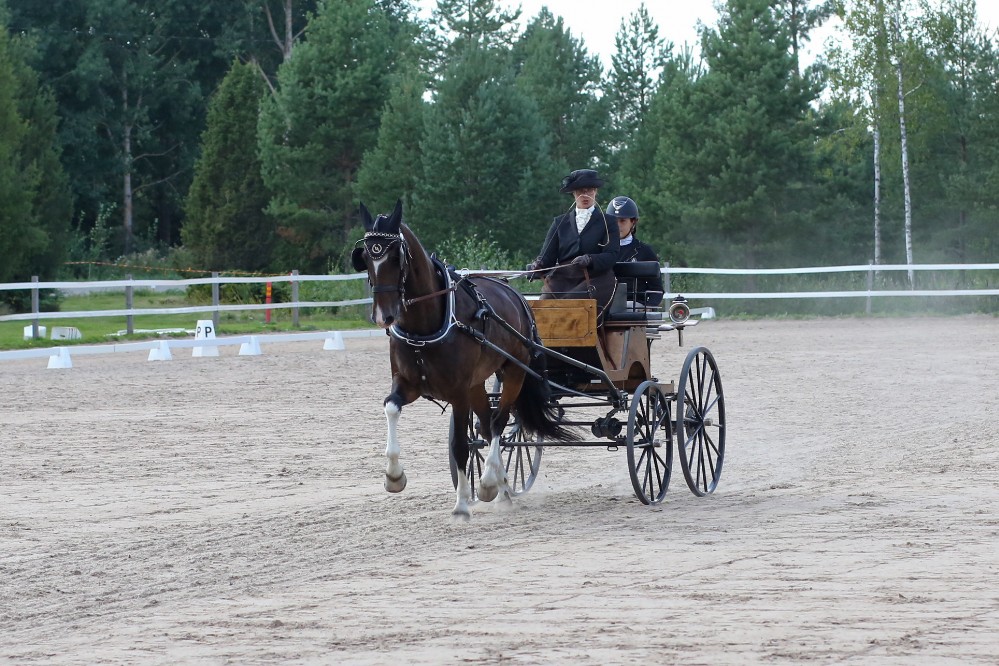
pixel 448 335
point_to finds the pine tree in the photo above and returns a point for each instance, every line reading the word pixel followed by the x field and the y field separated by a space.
pixel 486 169
pixel 317 126
pixel 391 169
pixel 639 58
pixel 226 227
pixel 34 197
pixel 555 70
pixel 738 153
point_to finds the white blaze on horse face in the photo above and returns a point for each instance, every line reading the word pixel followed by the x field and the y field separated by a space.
pixel 382 314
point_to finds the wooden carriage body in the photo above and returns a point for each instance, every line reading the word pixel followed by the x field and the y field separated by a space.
pixel 620 348
pixel 618 342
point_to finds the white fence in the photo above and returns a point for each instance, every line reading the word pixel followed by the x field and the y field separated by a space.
pixel 249 343
pixel 129 285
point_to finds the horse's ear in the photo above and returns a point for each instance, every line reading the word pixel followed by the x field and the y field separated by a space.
pixel 395 219
pixel 357 260
pixel 369 224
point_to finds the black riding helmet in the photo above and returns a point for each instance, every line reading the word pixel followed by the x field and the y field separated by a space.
pixel 622 207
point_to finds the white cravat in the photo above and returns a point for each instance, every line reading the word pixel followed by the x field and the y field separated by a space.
pixel 627 240
pixel 582 217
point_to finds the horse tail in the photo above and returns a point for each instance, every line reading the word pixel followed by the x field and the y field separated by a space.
pixel 534 407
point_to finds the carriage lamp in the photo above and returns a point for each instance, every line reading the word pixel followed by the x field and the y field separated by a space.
pixel 679 311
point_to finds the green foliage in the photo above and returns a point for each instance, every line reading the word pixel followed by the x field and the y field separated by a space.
pixel 734 160
pixel 390 170
pixel 737 157
pixel 640 57
pixel 34 199
pixel 486 164
pixel 554 70
pixel 315 129
pixel 474 253
pixel 226 226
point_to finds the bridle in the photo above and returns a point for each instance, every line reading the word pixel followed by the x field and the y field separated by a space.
pixel 378 245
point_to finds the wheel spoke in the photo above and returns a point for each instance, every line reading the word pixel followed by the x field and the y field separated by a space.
pixel 711 406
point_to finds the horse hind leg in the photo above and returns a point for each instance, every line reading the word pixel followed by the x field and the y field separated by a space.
pixel 490 481
pixel 395 475
pixel 494 477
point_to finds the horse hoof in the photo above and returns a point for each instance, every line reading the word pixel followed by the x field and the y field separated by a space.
pixel 488 493
pixel 461 516
pixel 396 485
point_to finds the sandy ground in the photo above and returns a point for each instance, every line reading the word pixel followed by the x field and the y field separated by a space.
pixel 231 510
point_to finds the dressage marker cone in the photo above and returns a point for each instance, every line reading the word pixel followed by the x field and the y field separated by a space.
pixel 161 353
pixel 334 343
pixel 61 360
pixel 251 348
pixel 205 330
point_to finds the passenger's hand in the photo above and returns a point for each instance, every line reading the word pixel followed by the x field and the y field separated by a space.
pixel 582 261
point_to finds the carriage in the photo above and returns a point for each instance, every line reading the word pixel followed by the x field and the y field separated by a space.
pixel 603 385
pixel 523 375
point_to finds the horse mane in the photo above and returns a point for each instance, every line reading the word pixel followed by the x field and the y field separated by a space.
pixel 421 267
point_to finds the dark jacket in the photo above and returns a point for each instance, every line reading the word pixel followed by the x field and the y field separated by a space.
pixel 564 243
pixel 636 250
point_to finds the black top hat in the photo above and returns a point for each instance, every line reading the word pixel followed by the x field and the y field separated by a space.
pixel 579 179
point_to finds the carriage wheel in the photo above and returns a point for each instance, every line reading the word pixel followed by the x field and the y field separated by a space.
pixel 650 444
pixel 700 422
pixel 520 459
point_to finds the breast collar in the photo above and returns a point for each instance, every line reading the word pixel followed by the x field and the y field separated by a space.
pixel 449 318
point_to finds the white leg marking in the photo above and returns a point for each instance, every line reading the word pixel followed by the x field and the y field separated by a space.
pixel 463 497
pixel 395 476
pixel 493 475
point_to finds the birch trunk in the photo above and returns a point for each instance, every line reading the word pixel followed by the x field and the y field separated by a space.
pixel 904 141
pixel 877 182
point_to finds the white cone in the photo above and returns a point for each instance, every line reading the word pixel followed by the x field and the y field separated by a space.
pixel 251 348
pixel 61 360
pixel 334 343
pixel 161 353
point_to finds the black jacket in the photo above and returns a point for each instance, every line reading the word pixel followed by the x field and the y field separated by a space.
pixel 636 250
pixel 564 243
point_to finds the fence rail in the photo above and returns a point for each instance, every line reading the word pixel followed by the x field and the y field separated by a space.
pixel 129 285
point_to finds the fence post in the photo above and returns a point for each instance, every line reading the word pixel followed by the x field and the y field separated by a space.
pixel 129 302
pixel 870 285
pixel 34 309
pixel 666 278
pixel 294 299
pixel 268 297
pixel 215 299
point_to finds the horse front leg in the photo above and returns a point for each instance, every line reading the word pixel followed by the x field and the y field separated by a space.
pixel 395 475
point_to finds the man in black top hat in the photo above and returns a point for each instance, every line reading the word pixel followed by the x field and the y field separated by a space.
pixel 581 245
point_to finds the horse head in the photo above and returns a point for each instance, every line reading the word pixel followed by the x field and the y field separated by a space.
pixel 384 254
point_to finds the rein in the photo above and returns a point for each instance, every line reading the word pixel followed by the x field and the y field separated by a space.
pixel 409 301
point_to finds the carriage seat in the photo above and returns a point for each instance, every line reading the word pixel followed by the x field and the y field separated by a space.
pixel 626 308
